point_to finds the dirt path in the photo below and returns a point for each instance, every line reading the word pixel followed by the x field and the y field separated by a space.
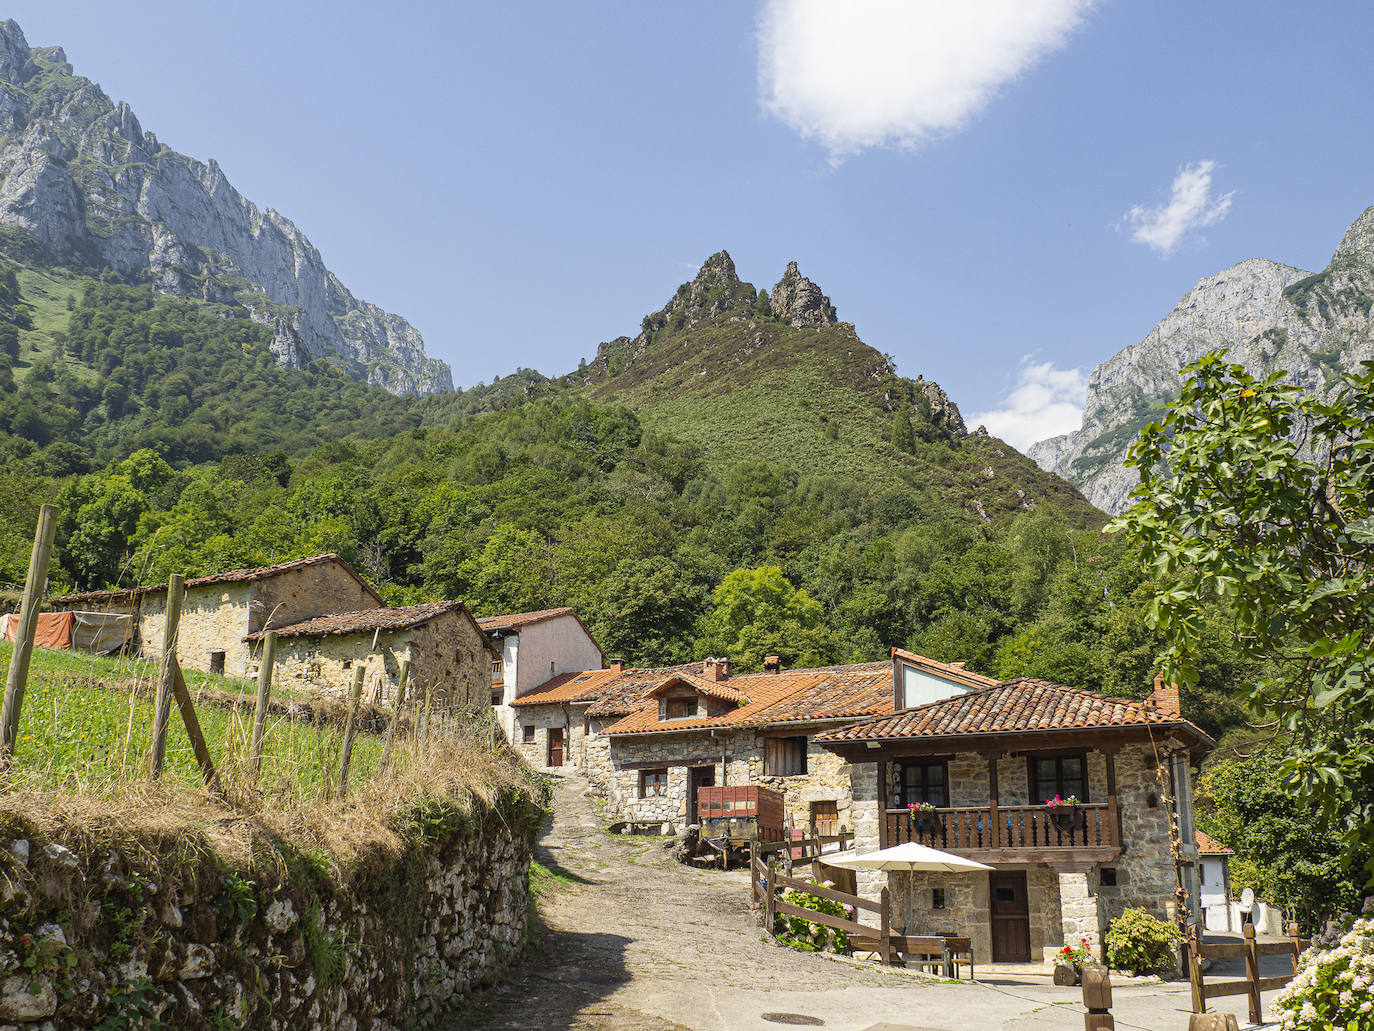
pixel 639 942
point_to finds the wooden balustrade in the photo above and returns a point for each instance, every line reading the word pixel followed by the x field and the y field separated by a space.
pixel 967 829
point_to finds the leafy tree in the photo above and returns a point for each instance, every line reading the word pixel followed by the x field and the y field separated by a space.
pixel 757 612
pixel 1255 493
pixel 646 610
pixel 9 340
pixel 903 436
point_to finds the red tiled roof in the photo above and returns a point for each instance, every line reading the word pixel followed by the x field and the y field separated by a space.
pixel 1022 705
pixel 622 694
pixel 515 620
pixel 366 621
pixel 1207 846
pixel 230 576
pixel 724 690
pixel 568 687
pixel 790 696
pixel 955 670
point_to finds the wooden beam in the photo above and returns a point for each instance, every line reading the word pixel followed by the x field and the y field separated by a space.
pixel 22 655
pixel 187 707
pixel 167 673
pixel 268 658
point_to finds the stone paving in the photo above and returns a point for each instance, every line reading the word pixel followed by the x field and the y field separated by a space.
pixel 641 943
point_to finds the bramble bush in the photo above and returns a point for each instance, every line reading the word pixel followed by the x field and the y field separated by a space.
pixel 1138 942
pixel 1334 988
pixel 807 935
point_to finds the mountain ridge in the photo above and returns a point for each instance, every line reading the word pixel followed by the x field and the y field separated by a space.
pixel 82 184
pixel 1271 316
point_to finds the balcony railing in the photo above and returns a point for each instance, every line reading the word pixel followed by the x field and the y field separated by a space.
pixel 965 829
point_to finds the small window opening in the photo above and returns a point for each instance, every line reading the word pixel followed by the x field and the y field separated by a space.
pixel 1108 876
pixel 347 663
pixel 937 898
pixel 217 662
pixel 653 783
pixel 528 733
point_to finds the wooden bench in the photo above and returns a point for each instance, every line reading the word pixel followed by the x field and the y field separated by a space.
pixel 940 952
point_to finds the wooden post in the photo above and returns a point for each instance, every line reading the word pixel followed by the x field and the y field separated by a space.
pixel 884 930
pixel 753 870
pixel 167 672
pixel 770 901
pixel 1295 938
pixel 995 837
pixel 1252 975
pixel 18 676
pixel 187 708
pixel 1097 999
pixel 269 656
pixel 401 677
pixel 429 694
pixel 354 696
pixel 1195 969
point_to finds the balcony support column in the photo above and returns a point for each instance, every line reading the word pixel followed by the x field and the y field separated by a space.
pixel 1079 914
pixel 994 822
pixel 1113 810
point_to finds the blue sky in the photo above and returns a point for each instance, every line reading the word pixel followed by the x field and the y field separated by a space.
pixel 524 180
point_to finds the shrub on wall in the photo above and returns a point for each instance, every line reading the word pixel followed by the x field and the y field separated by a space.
pixel 1140 943
pixel 1334 987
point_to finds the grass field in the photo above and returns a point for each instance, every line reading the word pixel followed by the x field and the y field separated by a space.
pixel 86 725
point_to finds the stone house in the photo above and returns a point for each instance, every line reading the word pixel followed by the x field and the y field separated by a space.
pixel 449 655
pixel 221 612
pixel 532 649
pixel 971 774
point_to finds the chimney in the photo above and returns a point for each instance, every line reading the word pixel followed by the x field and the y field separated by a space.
pixel 772 664
pixel 717 669
pixel 958 665
pixel 618 665
pixel 1166 699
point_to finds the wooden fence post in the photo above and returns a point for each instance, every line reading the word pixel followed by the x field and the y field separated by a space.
pixel 1097 999
pixel 1195 969
pixel 401 677
pixel 18 676
pixel 166 677
pixel 187 707
pixel 350 727
pixel 1252 975
pixel 1295 937
pixel 269 656
pixel 429 694
pixel 770 901
pixel 884 931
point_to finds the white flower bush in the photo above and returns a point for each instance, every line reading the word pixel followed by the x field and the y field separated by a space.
pixel 1332 990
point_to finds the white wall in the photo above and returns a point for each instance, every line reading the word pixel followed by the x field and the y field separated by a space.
pixel 538 652
pixel 1214 896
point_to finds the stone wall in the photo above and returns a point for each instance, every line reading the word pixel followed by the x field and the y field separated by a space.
pixel 138 930
pixel 541 718
pixel 449 653
pixel 306 592
pixel 326 665
pixel 214 618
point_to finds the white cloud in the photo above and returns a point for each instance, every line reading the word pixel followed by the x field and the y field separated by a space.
pixel 1190 206
pixel 1044 403
pixel 862 73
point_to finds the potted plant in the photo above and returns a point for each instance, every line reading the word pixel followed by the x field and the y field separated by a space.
pixel 1068 967
pixel 919 814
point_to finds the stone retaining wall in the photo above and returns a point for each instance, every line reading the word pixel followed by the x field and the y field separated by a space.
pixel 142 931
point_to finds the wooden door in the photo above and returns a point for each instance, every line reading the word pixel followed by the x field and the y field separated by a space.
pixel 555 746
pixel 825 817
pixel 698 777
pixel 1010 917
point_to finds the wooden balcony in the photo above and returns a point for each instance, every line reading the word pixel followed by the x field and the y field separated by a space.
pixel 1087 833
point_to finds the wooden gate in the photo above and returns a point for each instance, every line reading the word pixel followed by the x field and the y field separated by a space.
pixel 1251 950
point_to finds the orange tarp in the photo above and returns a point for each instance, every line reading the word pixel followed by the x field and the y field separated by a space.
pixel 54 629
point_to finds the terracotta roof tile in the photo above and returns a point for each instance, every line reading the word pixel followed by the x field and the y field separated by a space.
pixel 622 694
pixel 229 576
pixel 568 687
pixel 515 620
pixel 1207 846
pixel 1021 705
pixel 366 621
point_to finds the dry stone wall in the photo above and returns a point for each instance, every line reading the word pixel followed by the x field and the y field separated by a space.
pixel 135 932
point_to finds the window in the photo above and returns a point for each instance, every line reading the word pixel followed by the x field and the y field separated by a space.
pixel 1061 775
pixel 217 662
pixel 922 782
pixel 1108 876
pixel 527 732
pixel 347 663
pixel 498 670
pixel 784 757
pixel 937 898
pixel 680 708
pixel 653 783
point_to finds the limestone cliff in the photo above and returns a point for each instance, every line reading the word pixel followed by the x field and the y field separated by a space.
pixel 81 183
pixel 1314 327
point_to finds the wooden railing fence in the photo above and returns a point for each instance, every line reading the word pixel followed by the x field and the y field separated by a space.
pixel 1086 825
pixel 1251 950
pixel 766 882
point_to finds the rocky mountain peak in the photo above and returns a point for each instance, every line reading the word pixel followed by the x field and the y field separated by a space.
pixel 16 63
pixel 715 292
pixel 799 302
pixel 1358 242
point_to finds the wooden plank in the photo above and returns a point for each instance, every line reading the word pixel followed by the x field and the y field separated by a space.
pixel 351 727
pixel 1223 951
pixel 269 657
pixel 1268 984
pixel 839 923
pixel 822 892
pixel 1252 976
pixel 187 707
pixel 176 591
pixel 18 677
pixel 1219 988
pixel 1273 948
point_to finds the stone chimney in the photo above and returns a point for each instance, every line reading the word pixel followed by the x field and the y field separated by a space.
pixel 958 665
pixel 717 669
pixel 772 664
pixel 618 665
pixel 1166 699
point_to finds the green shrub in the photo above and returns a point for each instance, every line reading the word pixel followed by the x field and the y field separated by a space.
pixel 805 934
pixel 1335 983
pixel 1138 942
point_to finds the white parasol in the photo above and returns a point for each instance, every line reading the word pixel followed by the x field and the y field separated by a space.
pixel 912 858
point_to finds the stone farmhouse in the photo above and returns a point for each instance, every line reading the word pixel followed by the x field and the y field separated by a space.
pixel 532 648
pixel 450 657
pixel 971 774
pixel 220 612
pixel 327 619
